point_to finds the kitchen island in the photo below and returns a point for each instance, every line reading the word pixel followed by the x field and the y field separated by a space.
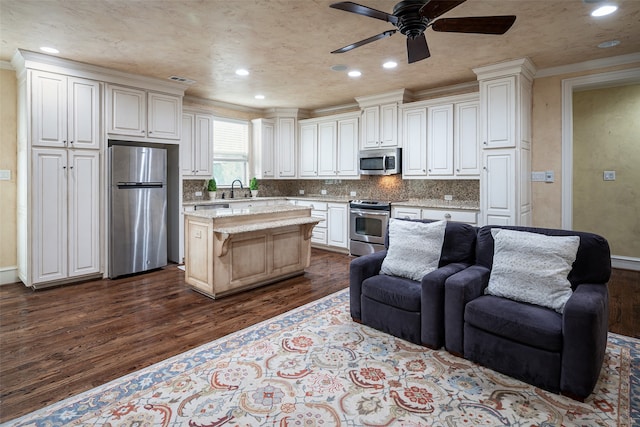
pixel 229 250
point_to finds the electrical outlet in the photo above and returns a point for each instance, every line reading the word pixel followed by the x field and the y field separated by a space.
pixel 448 197
pixel 301 192
pixel 609 175
pixel 352 194
pixel 549 176
pixel 198 193
pixel 323 192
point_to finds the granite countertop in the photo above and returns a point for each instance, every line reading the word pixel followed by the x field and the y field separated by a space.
pixel 334 199
pixel 256 210
pixel 440 204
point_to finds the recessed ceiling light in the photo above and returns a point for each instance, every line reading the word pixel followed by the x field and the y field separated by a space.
pixel 242 72
pixel 49 49
pixel 354 73
pixel 610 43
pixel 259 97
pixel 390 64
pixel 607 9
pixel 339 67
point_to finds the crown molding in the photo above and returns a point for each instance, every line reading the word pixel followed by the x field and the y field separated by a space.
pixel 523 66
pixel 192 101
pixel 400 96
pixel 6 65
pixel 24 59
pixel 594 64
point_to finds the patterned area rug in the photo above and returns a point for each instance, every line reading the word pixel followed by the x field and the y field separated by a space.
pixel 313 366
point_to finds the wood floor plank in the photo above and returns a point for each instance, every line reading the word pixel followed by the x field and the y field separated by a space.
pixel 55 343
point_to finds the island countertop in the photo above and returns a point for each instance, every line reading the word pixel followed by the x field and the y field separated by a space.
pixel 244 212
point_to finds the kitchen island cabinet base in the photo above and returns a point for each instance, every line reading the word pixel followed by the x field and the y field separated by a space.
pixel 223 257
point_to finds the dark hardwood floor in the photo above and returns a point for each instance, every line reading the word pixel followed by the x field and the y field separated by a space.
pixel 58 342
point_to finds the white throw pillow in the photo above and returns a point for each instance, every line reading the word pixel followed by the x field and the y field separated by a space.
pixel 532 267
pixel 414 248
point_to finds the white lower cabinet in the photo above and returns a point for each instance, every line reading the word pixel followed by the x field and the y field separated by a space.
pixel 410 212
pixel 338 225
pixel 333 229
pixel 497 188
pixel 65 215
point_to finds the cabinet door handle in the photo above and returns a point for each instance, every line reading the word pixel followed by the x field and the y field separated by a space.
pixel 485 142
pixel 142 131
pixel 447 216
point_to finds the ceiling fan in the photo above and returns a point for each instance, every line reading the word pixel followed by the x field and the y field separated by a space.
pixel 413 17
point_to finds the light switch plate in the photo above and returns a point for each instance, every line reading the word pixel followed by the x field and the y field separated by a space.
pixel 5 175
pixel 352 194
pixel 448 197
pixel 609 175
pixel 323 192
pixel 198 194
pixel 537 176
pixel 301 192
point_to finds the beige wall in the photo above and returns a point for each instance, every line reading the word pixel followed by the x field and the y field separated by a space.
pixel 8 150
pixel 606 132
pixel 546 146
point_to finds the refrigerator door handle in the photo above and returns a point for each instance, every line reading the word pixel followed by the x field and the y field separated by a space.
pixel 134 185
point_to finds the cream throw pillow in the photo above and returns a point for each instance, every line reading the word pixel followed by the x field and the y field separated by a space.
pixel 532 267
pixel 414 248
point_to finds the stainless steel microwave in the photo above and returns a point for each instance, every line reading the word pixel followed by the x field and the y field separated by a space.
pixel 380 162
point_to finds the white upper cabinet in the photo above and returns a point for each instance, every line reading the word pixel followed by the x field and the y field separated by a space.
pixel 329 147
pixel 163 118
pixel 308 163
pixel 128 109
pixel 143 114
pixel 414 141
pixel 347 151
pixel 264 148
pixel 440 140
pixel 286 147
pixel 65 111
pixel 467 139
pixel 498 104
pixel 196 147
pixel 380 126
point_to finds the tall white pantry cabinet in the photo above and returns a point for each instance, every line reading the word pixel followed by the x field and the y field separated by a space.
pixel 66 119
pixel 505 105
pixel 59 177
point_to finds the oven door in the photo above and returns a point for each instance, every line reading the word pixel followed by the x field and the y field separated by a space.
pixel 368 226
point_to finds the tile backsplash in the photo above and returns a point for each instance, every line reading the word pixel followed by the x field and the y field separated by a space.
pixel 391 187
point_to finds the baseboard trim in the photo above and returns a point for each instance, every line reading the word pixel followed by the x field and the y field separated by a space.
pixel 625 262
pixel 9 275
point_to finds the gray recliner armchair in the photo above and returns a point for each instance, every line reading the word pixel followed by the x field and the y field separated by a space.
pixel 409 309
pixel 557 351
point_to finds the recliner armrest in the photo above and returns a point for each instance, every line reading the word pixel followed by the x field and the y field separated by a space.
pixel 432 303
pixel 585 324
pixel 461 288
pixel 360 269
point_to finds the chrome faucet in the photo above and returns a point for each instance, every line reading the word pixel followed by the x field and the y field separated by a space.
pixel 233 183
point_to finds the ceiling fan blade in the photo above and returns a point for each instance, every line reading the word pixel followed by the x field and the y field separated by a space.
pixel 417 48
pixel 477 24
pixel 434 8
pixel 364 10
pixel 365 41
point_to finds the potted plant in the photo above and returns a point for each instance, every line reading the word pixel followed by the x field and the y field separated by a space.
pixel 253 186
pixel 212 187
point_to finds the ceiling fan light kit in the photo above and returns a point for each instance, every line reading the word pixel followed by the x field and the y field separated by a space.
pixel 413 17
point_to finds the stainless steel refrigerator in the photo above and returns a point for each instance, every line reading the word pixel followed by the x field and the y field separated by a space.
pixel 138 209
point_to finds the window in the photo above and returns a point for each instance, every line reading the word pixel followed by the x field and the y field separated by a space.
pixel 230 151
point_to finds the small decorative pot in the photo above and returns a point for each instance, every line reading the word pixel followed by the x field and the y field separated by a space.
pixel 212 195
pixel 254 193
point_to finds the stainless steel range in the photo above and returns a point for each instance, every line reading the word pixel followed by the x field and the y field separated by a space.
pixel 368 220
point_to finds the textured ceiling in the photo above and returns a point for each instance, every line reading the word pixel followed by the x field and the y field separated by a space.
pixel 285 44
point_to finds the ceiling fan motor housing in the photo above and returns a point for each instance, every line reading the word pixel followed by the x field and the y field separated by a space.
pixel 410 23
